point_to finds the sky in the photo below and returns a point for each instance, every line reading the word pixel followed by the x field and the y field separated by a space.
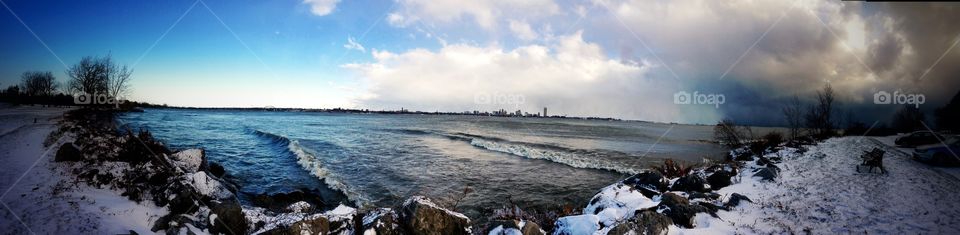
pixel 627 59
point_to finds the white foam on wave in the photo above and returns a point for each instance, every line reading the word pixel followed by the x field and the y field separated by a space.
pixel 310 163
pixel 570 159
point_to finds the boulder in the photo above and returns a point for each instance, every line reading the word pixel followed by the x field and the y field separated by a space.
pixel 511 227
pixel 707 195
pixel 679 209
pixel 420 216
pixel 735 200
pixel 648 183
pixel 190 160
pixel 690 183
pixel 577 224
pixel 318 225
pixel 68 153
pixel 743 156
pixel 720 179
pixel 216 170
pixel 767 173
pixel 382 221
pixel 644 222
pixel 280 202
pixel 531 228
pixel 227 217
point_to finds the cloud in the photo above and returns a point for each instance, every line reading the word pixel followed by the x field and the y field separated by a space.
pixel 567 75
pixel 765 52
pixel 353 45
pixel 485 13
pixel 321 7
pixel 522 30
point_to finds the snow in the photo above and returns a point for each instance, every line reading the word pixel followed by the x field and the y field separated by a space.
pixel 499 230
pixel 425 201
pixel 578 224
pixel 820 192
pixel 206 185
pixel 47 199
pixel 618 202
pixel 188 160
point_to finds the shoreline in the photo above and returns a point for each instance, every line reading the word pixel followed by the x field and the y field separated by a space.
pixel 651 201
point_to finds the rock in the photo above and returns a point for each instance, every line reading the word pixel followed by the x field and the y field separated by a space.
pixel 648 183
pixel 227 217
pixel 577 224
pixel 709 195
pixel 690 183
pixel 208 187
pixel 531 228
pixel 511 227
pixel 174 223
pixel 420 216
pixel 767 173
pixel 217 170
pixel 720 179
pixel 503 227
pixel 743 156
pixel 735 200
pixel 190 160
pixel 679 209
pixel 299 207
pixel 68 153
pixel 382 221
pixel 280 202
pixel 184 200
pixel 645 222
pixel 318 225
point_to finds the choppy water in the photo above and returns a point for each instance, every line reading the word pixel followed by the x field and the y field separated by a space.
pixel 379 160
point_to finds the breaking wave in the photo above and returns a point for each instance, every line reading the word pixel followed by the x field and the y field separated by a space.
pixel 309 162
pixel 578 158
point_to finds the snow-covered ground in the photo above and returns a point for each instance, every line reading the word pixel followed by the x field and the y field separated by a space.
pixel 39 197
pixel 821 192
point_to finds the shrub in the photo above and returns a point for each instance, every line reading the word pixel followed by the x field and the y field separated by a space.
pixel 672 169
pixel 773 139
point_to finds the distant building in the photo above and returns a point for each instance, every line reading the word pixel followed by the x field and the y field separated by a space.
pixel 545 112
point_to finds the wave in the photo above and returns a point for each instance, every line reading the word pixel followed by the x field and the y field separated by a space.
pixel 578 158
pixel 309 162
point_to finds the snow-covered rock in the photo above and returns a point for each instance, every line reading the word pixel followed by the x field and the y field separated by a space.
pixel 420 216
pixel 206 185
pixel 616 202
pixel 577 225
pixel 190 160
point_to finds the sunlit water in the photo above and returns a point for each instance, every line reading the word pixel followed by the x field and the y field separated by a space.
pixel 379 160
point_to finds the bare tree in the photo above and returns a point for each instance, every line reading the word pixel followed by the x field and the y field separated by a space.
pixel 100 75
pixel 730 134
pixel 119 80
pixel 38 83
pixel 907 119
pixel 793 112
pixel 91 75
pixel 819 118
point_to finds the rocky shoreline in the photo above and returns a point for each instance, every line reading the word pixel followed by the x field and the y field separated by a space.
pixel 201 199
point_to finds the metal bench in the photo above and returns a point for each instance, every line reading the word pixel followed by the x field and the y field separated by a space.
pixel 873 159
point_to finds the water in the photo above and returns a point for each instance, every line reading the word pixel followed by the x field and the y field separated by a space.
pixel 379 160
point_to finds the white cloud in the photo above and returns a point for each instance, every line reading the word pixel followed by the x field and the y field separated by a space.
pixel 568 75
pixel 485 13
pixel 522 30
pixel 321 7
pixel 353 45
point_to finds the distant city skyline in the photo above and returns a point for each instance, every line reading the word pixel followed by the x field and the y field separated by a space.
pixel 623 59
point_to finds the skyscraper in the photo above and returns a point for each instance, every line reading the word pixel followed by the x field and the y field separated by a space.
pixel 545 112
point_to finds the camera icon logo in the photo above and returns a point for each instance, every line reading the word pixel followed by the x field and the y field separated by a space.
pixel 82 98
pixel 882 97
pixel 682 97
pixel 481 98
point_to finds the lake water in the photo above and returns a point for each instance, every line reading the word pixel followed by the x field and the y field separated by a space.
pixel 380 159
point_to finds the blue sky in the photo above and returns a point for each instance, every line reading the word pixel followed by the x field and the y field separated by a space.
pixel 617 58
